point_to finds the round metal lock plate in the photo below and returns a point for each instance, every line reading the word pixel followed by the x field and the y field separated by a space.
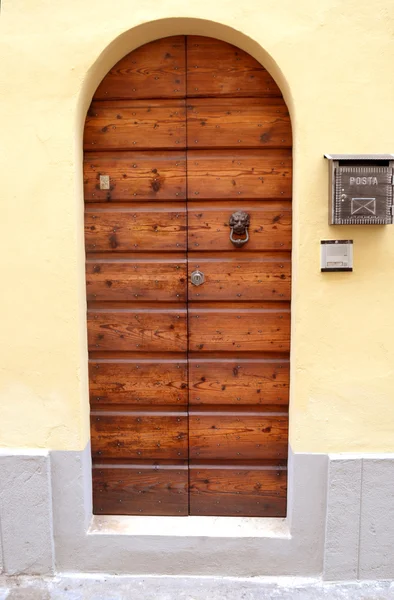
pixel 197 278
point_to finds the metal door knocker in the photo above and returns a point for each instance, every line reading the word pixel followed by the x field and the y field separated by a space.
pixel 239 223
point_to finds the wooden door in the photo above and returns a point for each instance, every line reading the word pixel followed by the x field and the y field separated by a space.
pixel 188 384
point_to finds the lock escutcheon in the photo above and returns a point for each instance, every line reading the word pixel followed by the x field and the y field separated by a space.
pixel 197 277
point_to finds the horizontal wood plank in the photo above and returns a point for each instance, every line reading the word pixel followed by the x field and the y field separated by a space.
pixel 137 330
pixel 215 68
pixel 129 279
pixel 239 329
pixel 226 381
pixel 135 176
pixel 235 491
pixel 117 382
pixel 238 123
pixel 141 124
pixel 140 490
pixel 237 436
pixel 209 229
pixel 154 70
pixel 149 227
pixel 241 174
pixel 129 435
pixel 240 277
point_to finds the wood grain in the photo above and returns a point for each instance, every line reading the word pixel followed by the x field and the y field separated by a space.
pixel 152 382
pixel 155 70
pixel 238 491
pixel 238 329
pixel 140 490
pixel 159 279
pixel 238 123
pixel 149 227
pixel 145 124
pixel 137 330
pixel 226 381
pixel 215 68
pixel 132 435
pixel 237 436
pixel 241 277
pixel 135 176
pixel 209 229
pixel 241 174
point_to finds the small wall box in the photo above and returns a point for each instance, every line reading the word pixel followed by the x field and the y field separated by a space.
pixel 336 255
pixel 361 189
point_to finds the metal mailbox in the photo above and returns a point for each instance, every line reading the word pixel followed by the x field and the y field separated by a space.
pixel 361 189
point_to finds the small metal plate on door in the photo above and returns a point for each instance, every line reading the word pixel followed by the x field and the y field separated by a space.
pixel 104 182
pixel 197 278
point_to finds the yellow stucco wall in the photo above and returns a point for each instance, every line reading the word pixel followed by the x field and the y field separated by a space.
pixel 333 60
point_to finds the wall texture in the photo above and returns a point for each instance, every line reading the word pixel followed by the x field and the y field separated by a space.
pixel 333 61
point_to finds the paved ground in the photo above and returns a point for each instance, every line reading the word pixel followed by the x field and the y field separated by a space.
pixel 186 588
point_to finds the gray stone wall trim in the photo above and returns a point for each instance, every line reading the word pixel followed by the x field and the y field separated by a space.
pixel 343 518
pixel 340 524
pixel 80 548
pixel 377 518
pixel 26 512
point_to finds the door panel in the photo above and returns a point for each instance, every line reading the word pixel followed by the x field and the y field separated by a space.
pixel 247 491
pixel 238 174
pixel 258 277
pixel 136 435
pixel 237 436
pixel 238 123
pixel 149 227
pixel 219 69
pixel 155 70
pixel 140 489
pixel 133 279
pixel 189 384
pixel 238 381
pixel 135 176
pixel 144 329
pixel 117 125
pixel 208 226
pixel 238 329
pixel 123 381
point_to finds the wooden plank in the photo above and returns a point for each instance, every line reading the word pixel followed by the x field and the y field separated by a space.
pixel 241 174
pixel 149 227
pixel 228 381
pixel 240 277
pixel 237 436
pixel 132 435
pixel 155 381
pixel 239 329
pixel 140 490
pixel 215 68
pixel 137 330
pixel 154 70
pixel 238 123
pixel 136 279
pixel 141 124
pixel 135 176
pixel 238 491
pixel 209 229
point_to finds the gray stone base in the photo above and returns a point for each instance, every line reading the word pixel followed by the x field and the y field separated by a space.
pixel 340 525
pixel 187 588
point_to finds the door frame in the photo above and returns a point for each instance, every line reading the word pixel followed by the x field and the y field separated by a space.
pixel 269 546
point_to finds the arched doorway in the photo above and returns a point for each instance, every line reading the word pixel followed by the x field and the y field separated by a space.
pixel 188 329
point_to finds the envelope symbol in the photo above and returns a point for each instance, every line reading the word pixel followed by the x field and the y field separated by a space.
pixel 363 206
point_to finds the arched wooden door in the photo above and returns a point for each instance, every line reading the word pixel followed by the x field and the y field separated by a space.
pixel 188 383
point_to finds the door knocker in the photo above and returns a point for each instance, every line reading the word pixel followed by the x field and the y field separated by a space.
pixel 239 223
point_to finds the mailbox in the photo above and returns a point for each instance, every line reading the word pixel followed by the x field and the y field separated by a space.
pixel 361 189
